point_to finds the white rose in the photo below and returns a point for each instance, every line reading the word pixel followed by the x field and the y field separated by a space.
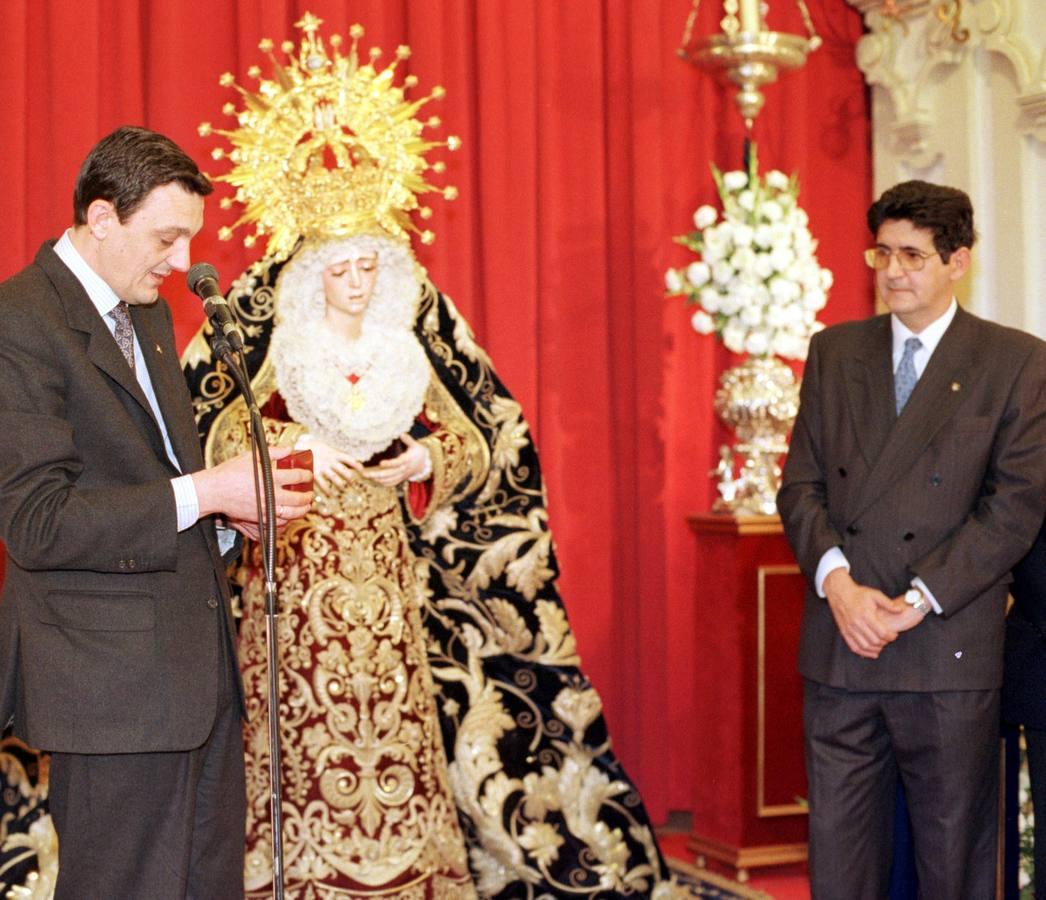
pixel 763 265
pixel 710 299
pixel 772 211
pixel 743 235
pixel 780 234
pixel 776 317
pixel 757 343
pixel 716 243
pixel 722 271
pixel 802 240
pixel 698 273
pixel 763 236
pixel 777 180
pixel 788 346
pixel 704 216
pixel 814 299
pixel 827 279
pixel 734 337
pixel 746 200
pixel 735 180
pixel 743 259
pixel 729 304
pixel 673 283
pixel 800 216
pixel 782 257
pixel 702 322
pixel 751 315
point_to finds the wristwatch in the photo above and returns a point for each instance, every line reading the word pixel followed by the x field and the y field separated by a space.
pixel 916 599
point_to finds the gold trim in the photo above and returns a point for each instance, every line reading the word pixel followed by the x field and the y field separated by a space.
pixel 726 523
pixel 762 810
pixel 714 878
pixel 748 857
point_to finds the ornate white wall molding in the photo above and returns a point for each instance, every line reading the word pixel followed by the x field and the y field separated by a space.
pixel 959 97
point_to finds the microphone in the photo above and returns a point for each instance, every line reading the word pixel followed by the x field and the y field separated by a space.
pixel 202 280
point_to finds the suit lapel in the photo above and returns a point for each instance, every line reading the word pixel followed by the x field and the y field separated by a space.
pixel 102 349
pixel 869 390
pixel 937 395
pixel 155 338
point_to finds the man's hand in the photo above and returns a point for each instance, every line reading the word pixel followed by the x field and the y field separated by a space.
pixel 899 615
pixel 390 472
pixel 228 489
pixel 857 613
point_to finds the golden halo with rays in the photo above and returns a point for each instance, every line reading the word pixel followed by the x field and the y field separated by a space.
pixel 328 147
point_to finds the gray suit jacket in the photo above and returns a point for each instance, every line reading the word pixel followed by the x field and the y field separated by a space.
pixel 952 491
pixel 109 618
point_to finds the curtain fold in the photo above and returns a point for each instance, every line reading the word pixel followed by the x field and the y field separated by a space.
pixel 586 144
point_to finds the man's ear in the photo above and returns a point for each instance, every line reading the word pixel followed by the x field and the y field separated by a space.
pixel 101 217
pixel 960 261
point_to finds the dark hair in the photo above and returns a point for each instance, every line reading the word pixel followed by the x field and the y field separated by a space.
pixel 945 211
pixel 125 166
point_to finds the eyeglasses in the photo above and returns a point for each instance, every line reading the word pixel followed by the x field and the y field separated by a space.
pixel 910 259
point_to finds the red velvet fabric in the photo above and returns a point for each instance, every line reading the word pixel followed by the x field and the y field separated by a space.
pixel 586 149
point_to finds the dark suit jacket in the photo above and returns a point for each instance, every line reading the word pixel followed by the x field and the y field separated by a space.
pixel 952 491
pixel 1024 685
pixel 109 618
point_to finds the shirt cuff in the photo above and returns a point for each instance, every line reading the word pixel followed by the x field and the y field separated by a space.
pixel 921 585
pixel 186 501
pixel 833 558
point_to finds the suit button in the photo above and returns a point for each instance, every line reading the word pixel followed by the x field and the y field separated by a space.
pixel 908 536
pixel 935 480
pixel 130 564
pixel 123 563
pixel 212 603
pixel 852 529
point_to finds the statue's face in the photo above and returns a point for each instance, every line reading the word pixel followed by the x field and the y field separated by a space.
pixel 349 283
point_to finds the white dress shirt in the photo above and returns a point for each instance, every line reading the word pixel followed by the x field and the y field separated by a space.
pixel 105 300
pixel 930 336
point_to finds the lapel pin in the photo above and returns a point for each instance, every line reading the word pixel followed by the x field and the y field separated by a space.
pixel 159 349
pixel 956 386
pixel 958 654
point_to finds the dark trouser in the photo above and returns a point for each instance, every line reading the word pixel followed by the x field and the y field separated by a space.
pixel 154 826
pixel 1036 741
pixel 945 747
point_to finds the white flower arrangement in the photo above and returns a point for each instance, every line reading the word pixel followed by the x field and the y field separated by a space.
pixel 757 283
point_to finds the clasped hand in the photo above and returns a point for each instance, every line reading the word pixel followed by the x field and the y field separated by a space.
pixel 334 468
pixel 867 619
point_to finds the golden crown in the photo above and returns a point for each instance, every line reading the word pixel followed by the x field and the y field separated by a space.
pixel 328 147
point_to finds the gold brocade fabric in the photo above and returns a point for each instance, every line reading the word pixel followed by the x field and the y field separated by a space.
pixel 546 810
pixel 368 810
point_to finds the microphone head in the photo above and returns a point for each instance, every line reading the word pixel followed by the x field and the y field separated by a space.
pixel 198 273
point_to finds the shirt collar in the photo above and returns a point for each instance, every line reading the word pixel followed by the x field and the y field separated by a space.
pixel 102 296
pixel 930 336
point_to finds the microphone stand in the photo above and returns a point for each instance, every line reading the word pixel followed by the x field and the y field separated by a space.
pixel 266 505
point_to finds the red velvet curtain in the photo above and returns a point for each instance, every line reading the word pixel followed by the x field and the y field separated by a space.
pixel 586 148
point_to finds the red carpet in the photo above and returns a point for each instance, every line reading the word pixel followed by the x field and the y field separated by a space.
pixel 776 882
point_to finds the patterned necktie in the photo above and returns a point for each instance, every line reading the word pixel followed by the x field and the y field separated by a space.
pixel 124 333
pixel 904 378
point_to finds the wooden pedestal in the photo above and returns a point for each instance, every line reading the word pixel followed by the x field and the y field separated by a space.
pixel 749 810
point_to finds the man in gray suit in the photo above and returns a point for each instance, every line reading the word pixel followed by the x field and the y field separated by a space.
pixel 915 481
pixel 115 629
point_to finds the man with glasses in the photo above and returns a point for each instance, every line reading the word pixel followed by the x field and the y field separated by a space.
pixel 916 480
